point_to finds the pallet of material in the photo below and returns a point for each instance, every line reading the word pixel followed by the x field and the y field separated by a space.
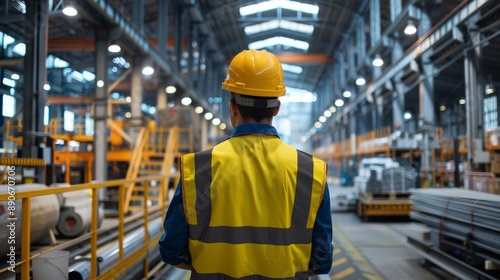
pixel 384 195
pixel 383 207
pixel 463 224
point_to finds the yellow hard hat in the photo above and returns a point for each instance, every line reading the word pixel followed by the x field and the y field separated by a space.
pixel 255 73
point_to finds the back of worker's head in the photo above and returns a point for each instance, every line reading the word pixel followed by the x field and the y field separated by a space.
pixel 255 80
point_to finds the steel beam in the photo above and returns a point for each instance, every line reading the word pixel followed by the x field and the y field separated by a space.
pixel 101 108
pixel 473 95
pixel 162 25
pixel 10 61
pixel 178 36
pixel 136 95
pixel 138 14
pixel 161 102
pixel 351 61
pixel 361 40
pixel 396 7
pixel 422 45
pixel 426 118
pixel 190 63
pixel 36 25
pixel 110 13
pixel 374 22
pixel 398 89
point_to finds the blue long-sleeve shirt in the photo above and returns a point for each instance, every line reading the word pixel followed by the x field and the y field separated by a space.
pixel 174 241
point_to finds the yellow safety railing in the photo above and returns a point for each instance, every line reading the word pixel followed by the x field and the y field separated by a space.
pixel 170 153
pixel 124 263
pixel 11 127
pixel 135 164
pixel 56 127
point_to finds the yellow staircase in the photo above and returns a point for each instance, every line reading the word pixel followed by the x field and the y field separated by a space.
pixel 157 151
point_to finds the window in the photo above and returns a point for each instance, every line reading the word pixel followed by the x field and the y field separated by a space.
pixel 89 125
pixel 490 112
pixel 9 106
pixel 69 121
pixel 46 115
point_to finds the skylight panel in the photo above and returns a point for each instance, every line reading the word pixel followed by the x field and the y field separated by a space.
pixel 279 23
pixel 296 95
pixel 55 62
pixel 88 75
pixel 7 40
pixel 291 68
pixel 274 4
pixel 20 49
pixel 279 40
pixel 77 76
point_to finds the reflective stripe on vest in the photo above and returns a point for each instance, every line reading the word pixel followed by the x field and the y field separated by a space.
pixel 283 246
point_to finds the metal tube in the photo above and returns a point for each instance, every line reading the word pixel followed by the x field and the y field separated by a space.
pixel 108 255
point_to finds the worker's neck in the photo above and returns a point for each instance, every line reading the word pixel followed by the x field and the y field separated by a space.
pixel 252 121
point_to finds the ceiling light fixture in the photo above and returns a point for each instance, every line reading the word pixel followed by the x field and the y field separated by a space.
pixel 322 119
pixel 208 116
pixel 360 81
pixel 489 89
pixel 339 102
pixel 170 89
pixel 148 70
pixel 407 115
pixel 461 101
pixel 198 110
pixel 186 101
pixel 216 121
pixel 46 87
pixel 410 28
pixel 442 108
pixel 222 126
pixel 332 109
pixel 347 94
pixel 377 62
pixel 114 48
pixel 70 11
pixel 15 76
pixel 327 113
pixel 317 124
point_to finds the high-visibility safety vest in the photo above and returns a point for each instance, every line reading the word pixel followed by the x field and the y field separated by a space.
pixel 251 203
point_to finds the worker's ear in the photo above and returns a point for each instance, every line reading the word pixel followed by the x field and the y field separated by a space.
pixel 233 107
pixel 277 109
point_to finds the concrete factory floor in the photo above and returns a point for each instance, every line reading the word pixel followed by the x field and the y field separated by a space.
pixel 370 250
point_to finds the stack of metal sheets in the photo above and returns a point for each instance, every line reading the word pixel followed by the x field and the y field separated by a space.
pixel 398 179
pixel 466 223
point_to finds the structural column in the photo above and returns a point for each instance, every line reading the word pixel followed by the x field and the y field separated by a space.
pixel 398 90
pixel 136 96
pixel 34 79
pixel 427 116
pixel 161 102
pixel 473 96
pixel 178 36
pixel 162 25
pixel 138 14
pixel 101 108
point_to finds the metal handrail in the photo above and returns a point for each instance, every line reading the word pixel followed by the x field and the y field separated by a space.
pixel 124 262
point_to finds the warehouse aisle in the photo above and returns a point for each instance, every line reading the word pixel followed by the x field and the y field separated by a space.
pixel 376 250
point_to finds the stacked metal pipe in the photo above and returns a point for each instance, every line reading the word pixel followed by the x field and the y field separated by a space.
pixel 467 222
pixel 107 255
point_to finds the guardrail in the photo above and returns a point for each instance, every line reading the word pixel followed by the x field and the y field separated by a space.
pixel 124 262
